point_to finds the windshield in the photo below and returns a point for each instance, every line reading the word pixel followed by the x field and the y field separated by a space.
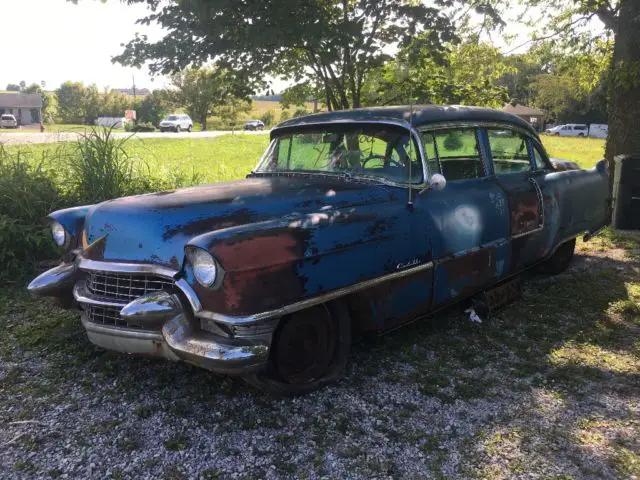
pixel 172 117
pixel 376 150
pixel 7 117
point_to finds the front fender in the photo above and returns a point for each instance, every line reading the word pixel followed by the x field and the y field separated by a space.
pixel 278 262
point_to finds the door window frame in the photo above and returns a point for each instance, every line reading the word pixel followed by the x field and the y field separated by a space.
pixel 477 132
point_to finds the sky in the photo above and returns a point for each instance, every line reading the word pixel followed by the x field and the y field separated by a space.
pixel 55 41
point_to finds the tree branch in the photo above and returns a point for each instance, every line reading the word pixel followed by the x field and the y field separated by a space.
pixel 555 33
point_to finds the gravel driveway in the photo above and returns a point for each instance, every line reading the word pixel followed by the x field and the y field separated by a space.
pixel 549 389
pixel 37 137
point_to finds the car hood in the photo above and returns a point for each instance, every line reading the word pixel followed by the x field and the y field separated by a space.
pixel 154 228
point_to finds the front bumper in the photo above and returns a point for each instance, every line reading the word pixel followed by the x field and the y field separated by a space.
pixel 165 326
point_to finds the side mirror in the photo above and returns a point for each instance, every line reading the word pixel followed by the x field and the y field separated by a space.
pixel 437 182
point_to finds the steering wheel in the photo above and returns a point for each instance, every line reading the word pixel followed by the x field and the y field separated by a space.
pixel 385 160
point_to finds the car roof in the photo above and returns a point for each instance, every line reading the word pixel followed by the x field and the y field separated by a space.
pixel 418 115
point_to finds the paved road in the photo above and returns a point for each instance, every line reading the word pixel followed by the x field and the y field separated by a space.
pixel 37 137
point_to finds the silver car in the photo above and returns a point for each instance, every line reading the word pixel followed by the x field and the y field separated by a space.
pixel 8 121
pixel 176 123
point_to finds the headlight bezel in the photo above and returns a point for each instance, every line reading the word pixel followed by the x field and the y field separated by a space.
pixel 204 266
pixel 59 234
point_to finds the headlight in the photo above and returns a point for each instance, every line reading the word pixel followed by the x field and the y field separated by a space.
pixel 59 234
pixel 204 266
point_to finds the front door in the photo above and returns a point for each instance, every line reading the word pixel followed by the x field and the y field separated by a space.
pixel 514 172
pixel 468 219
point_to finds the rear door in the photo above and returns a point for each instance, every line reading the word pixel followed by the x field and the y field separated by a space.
pixel 514 170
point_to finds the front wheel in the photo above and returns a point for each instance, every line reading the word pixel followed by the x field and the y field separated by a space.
pixel 310 349
pixel 178 129
pixel 561 258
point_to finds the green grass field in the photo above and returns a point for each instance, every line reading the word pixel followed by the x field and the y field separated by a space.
pixel 233 156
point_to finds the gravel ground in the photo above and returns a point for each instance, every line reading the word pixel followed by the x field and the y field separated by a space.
pixel 549 389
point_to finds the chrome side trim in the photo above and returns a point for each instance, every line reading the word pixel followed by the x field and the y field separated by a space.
pixel 524 234
pixel 295 307
pixel 85 264
pixel 82 296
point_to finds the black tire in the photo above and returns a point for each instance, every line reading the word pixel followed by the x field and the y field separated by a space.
pixel 561 258
pixel 557 134
pixel 581 134
pixel 309 350
pixel 190 128
pixel 178 129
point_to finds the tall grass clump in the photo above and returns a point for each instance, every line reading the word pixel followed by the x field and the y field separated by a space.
pixel 99 169
pixel 28 192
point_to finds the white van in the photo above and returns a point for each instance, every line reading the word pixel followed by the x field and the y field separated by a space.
pixel 568 130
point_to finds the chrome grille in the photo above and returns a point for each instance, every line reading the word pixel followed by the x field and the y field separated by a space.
pixel 124 286
pixel 106 316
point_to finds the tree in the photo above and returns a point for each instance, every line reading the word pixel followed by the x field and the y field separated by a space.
pixel 468 75
pixel 200 90
pixel 231 110
pixel 299 94
pixel 334 42
pixel 154 107
pixel 114 103
pixel 12 87
pixel 23 84
pixel 77 103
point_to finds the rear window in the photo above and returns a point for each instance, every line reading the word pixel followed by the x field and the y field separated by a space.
pixel 580 127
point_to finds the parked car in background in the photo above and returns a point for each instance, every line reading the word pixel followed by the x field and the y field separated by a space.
pixel 254 125
pixel 176 123
pixel 357 220
pixel 8 121
pixel 568 130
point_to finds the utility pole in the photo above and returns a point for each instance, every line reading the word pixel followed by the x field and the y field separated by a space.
pixel 133 77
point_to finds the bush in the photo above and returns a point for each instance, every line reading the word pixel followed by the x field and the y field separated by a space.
pixel 300 112
pixel 28 192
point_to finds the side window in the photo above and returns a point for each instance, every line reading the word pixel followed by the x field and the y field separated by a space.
pixel 454 153
pixel 509 151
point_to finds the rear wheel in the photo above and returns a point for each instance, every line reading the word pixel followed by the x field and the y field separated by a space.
pixel 561 258
pixel 190 128
pixel 178 129
pixel 309 350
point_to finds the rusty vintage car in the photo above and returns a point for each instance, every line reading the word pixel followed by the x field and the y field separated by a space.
pixel 352 220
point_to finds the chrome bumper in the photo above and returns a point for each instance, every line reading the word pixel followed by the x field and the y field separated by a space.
pixel 166 327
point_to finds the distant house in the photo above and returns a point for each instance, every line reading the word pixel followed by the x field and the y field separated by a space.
pixel 26 107
pixel 529 114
